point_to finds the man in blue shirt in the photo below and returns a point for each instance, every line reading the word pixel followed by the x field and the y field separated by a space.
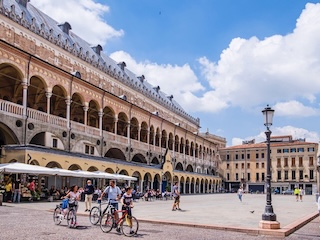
pixel 88 191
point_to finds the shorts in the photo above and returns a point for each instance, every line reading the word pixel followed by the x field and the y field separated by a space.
pixel 115 205
pixel 177 199
pixel 128 209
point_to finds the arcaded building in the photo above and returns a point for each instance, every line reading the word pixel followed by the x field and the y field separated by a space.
pixel 293 164
pixel 65 104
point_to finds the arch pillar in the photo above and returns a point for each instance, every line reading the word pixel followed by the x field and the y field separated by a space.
pixel 24 96
pixel 68 102
pixel 85 109
pixel 100 114
pixel 48 96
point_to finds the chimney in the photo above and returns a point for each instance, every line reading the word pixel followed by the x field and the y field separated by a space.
pixel 122 65
pixel 65 27
pixel 23 2
pixel 97 49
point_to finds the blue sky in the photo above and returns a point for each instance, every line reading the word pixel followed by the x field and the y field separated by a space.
pixel 223 61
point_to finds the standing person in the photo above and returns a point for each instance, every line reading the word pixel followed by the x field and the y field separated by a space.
pixel 297 193
pixel 176 197
pixel 32 188
pixel 8 188
pixel 114 194
pixel 127 204
pixel 240 192
pixel 17 191
pixel 301 193
pixel 88 191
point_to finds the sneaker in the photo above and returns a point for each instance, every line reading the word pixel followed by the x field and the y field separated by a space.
pixel 118 229
pixel 179 209
pixel 131 232
pixel 173 209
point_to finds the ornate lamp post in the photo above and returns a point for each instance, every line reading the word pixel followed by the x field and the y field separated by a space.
pixel 269 218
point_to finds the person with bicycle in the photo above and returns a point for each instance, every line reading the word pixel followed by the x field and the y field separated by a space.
pixel 176 196
pixel 114 194
pixel 127 204
pixel 73 196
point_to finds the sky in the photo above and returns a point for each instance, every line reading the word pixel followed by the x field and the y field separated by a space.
pixel 223 61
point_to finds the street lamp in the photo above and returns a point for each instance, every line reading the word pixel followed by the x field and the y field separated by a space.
pixel 268 214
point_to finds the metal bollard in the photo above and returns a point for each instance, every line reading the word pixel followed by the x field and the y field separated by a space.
pixel 1 199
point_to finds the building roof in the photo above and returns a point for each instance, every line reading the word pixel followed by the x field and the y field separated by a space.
pixel 61 34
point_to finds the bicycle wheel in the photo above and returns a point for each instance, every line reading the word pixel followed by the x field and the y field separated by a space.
pixel 106 222
pixel 94 215
pixel 72 218
pixel 57 215
pixel 129 226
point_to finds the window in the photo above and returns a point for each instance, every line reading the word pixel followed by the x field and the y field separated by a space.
pixel 278 162
pixel 285 162
pixel 237 176
pixel 279 150
pixel 236 156
pixel 293 174
pixel 293 162
pixel 89 149
pixel 310 161
pixel 228 165
pixel 86 149
pixel 242 156
pixel 311 174
pixel 248 155
pixel 300 149
pixel 262 165
pixel 293 149
pixel 257 176
pixel 236 165
pixel 249 177
pixel 262 176
pixel 311 149
pixel 257 165
pixel 228 176
pixel 257 155
pixel 228 157
pixel 242 165
pixel 248 165
pixel 300 162
pixel 92 150
pixel 301 174
pixel 285 150
pixel 54 143
pixel 262 155
pixel 279 175
pixel 286 175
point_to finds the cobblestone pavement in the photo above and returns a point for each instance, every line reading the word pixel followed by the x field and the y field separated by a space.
pixel 27 224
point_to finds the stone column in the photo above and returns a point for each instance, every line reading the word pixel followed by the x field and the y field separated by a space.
pixel 100 114
pixel 68 102
pixel 48 96
pixel 139 132
pixel 24 96
pixel 141 186
pixel 85 109
pixel 115 125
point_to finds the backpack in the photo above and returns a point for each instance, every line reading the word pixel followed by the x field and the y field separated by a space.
pixel 65 203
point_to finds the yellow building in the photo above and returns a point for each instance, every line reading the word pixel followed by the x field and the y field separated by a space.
pixel 293 163
pixel 65 104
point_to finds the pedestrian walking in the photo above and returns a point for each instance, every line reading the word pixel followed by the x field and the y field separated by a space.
pixel 301 193
pixel 296 192
pixel 17 191
pixel 88 191
pixel 240 192
pixel 176 197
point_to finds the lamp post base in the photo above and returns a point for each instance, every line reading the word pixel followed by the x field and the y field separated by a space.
pixel 269 224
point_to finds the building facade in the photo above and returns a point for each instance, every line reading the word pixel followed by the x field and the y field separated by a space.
pixel 65 104
pixel 293 163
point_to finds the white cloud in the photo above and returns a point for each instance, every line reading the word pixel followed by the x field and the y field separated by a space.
pixel 295 108
pixel 253 72
pixel 296 133
pixel 180 81
pixel 84 16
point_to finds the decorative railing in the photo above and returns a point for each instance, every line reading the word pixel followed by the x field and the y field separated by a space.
pixel 11 108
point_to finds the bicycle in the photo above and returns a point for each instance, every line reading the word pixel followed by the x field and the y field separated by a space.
pixel 128 225
pixel 96 212
pixel 58 214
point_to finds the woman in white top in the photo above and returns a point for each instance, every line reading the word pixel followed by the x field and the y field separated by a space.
pixel 74 195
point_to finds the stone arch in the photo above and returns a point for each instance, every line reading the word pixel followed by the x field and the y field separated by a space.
pixel 45 139
pixel 115 153
pixel 147 181
pixel 157 138
pixel 189 168
pixel 108 120
pixel 76 108
pixel 124 172
pixel 170 141
pixel 7 136
pixel 179 166
pixel 37 94
pixel 122 124
pixel 164 139
pixel 93 114
pixel 182 145
pixel 10 83
pixel 176 143
pixel 34 162
pixel 13 161
pixel 192 149
pixel 188 183
pixel 139 158
pixel 151 135
pixel 58 105
pixel 109 170
pixel 156 182
pixel 144 132
pixel 187 147
pixel 197 186
pixel 155 161
pixel 134 128
pixel 92 169
pixel 74 167
pixel 182 184
pixel 53 164
pixel 192 185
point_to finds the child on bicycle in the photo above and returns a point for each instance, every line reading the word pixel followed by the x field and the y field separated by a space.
pixel 127 204
pixel 73 196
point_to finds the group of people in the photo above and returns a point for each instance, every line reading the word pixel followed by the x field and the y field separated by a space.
pixel 13 190
pixel 298 192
